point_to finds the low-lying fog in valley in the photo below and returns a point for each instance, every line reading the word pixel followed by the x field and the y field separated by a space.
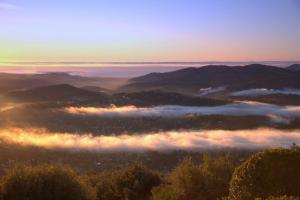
pixel 278 114
pixel 264 91
pixel 59 117
pixel 164 140
pixel 150 100
pixel 160 141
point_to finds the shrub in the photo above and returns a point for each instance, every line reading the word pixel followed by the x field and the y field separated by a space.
pixel 44 182
pixel 269 173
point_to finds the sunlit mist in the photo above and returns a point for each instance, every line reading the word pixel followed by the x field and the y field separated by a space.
pixel 172 140
pixel 274 112
pixel 6 108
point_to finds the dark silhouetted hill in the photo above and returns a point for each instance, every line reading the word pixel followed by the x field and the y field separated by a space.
pixel 190 80
pixel 10 82
pixel 295 67
pixel 54 93
pixel 155 98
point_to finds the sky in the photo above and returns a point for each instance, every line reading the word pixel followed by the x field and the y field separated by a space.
pixel 149 30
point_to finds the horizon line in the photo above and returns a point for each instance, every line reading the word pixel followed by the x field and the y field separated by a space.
pixel 147 62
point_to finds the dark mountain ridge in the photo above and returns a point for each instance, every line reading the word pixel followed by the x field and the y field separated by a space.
pixel 67 93
pixel 190 80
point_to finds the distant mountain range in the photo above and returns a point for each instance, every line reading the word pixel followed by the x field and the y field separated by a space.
pixel 192 80
pixel 68 93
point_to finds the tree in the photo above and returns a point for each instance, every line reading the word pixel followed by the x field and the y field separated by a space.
pixel 207 181
pixel 44 182
pixel 217 172
pixel 268 173
pixel 132 183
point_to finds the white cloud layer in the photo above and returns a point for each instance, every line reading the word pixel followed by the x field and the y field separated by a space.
pixel 161 141
pixel 210 90
pixel 6 108
pixel 264 91
pixel 274 112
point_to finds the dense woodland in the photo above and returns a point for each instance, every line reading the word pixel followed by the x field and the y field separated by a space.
pixel 271 174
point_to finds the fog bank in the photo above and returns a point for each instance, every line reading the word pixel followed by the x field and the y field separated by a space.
pixel 210 90
pixel 264 91
pixel 160 141
pixel 6 108
pixel 274 112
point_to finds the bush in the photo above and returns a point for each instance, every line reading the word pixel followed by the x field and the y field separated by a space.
pixel 190 181
pixel 270 173
pixel 132 183
pixel 44 182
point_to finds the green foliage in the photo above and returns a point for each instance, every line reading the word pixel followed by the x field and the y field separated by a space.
pixel 44 183
pixel 269 173
pixel 190 181
pixel 132 183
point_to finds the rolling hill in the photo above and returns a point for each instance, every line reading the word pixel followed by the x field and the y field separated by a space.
pixel 54 93
pixel 10 82
pixel 155 98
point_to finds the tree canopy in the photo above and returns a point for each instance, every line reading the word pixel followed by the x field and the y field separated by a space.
pixel 44 182
pixel 269 173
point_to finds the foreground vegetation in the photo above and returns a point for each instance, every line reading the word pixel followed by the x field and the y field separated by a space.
pixel 268 175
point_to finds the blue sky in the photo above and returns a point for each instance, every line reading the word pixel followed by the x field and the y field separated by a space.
pixel 149 30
